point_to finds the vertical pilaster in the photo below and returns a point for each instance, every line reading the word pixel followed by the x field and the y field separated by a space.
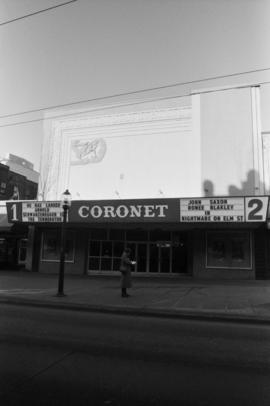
pixel 259 185
pixel 196 135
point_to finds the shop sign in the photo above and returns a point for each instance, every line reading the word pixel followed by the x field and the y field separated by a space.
pixel 223 209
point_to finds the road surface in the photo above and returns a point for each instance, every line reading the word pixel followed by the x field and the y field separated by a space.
pixel 59 357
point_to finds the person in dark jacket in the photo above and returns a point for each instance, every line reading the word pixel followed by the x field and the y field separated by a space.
pixel 125 269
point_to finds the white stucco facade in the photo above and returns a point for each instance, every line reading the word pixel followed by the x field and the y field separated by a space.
pixel 207 144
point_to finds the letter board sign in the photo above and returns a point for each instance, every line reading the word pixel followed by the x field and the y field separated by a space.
pixel 224 209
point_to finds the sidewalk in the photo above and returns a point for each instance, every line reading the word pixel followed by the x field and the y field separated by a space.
pixel 213 300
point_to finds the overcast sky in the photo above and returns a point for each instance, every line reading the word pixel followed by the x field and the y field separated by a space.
pixel 96 48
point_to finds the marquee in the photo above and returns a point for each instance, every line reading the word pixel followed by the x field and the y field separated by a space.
pixel 186 210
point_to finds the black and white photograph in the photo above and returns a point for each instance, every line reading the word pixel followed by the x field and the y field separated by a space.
pixel 134 202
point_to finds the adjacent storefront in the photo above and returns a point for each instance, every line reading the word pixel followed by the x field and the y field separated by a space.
pixel 13 243
pixel 200 237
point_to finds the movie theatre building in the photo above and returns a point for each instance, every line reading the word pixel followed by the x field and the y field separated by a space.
pixel 204 237
pixel 183 182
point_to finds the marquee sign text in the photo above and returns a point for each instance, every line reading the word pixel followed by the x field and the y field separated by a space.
pixel 223 209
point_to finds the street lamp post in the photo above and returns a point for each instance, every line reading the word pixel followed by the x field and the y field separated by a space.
pixel 66 203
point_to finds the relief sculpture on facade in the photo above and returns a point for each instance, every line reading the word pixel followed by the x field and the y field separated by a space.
pixel 86 152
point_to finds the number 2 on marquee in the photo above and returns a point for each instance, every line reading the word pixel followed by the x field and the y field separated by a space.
pixel 258 209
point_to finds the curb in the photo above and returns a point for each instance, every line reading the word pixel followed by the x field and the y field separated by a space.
pixel 188 314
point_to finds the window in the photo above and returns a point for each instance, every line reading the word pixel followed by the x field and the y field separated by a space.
pixel 117 234
pixel 3 188
pixel 51 246
pixel 22 250
pixel 3 250
pixel 160 235
pixel 228 250
pixel 137 235
pixel 105 255
pixel 99 234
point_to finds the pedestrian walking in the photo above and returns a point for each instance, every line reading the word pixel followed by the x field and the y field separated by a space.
pixel 125 269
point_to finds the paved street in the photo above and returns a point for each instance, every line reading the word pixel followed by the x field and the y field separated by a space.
pixel 66 357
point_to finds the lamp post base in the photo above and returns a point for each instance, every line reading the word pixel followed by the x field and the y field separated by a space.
pixel 60 295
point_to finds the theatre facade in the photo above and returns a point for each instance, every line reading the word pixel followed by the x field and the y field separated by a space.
pixel 182 181
pixel 196 237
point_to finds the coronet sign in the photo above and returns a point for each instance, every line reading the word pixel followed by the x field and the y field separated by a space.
pixel 184 210
pixel 124 211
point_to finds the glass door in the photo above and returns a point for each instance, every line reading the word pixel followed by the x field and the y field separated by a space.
pixel 164 258
pixel 165 255
pixel 153 258
pixel 141 257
